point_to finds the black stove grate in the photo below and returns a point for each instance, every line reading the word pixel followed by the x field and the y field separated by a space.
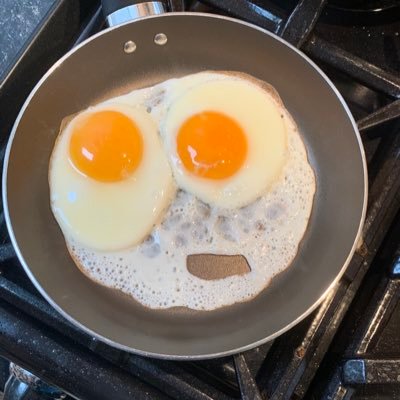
pixel 343 349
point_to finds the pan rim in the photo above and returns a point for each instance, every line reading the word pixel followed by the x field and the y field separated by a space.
pixel 224 353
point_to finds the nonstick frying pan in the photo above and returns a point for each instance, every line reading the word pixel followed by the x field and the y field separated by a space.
pixel 125 57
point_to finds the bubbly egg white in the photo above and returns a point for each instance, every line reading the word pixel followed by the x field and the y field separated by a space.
pixel 267 232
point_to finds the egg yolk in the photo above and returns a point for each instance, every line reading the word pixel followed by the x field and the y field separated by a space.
pixel 211 145
pixel 106 146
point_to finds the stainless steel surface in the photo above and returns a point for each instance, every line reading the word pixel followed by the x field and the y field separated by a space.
pixel 28 385
pixel 23 375
pixel 334 148
pixel 131 13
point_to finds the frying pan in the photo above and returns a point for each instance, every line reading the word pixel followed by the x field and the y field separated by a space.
pixel 105 66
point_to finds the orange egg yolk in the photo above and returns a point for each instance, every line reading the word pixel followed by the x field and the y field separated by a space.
pixel 106 146
pixel 211 145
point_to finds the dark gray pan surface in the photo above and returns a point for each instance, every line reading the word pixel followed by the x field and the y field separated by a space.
pixel 100 69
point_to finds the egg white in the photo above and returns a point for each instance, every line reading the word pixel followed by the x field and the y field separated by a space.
pixel 267 231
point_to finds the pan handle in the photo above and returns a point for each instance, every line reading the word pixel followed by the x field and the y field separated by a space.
pixel 119 11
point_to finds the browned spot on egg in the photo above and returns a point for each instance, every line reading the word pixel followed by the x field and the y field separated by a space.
pixel 260 226
pixel 216 266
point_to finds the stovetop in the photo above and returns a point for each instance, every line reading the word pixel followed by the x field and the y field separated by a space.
pixel 349 347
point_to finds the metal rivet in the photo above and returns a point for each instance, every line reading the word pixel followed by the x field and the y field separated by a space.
pixel 160 39
pixel 129 47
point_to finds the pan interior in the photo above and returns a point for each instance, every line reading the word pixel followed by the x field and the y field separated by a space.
pixel 101 69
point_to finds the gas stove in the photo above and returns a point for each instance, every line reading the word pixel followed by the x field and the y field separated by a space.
pixel 349 348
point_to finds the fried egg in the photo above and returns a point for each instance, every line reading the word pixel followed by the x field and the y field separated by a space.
pixel 226 141
pixel 109 177
pixel 262 216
